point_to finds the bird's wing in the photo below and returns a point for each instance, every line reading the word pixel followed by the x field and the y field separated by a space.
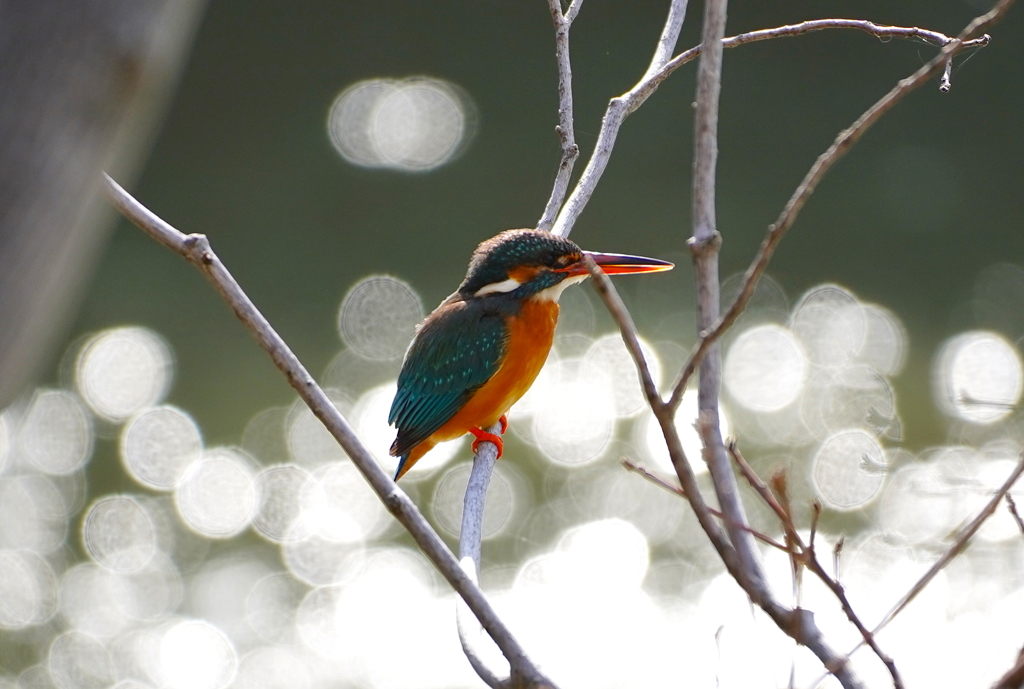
pixel 455 352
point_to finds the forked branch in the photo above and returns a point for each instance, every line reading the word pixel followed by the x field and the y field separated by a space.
pixel 842 144
pixel 195 248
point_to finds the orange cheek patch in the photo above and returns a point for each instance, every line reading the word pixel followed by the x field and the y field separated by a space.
pixel 523 274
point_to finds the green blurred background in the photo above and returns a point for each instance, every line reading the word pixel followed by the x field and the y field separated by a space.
pixel 926 201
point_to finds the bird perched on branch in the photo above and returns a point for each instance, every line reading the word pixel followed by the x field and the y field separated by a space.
pixel 482 348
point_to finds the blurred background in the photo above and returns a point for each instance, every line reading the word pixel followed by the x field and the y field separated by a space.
pixel 169 516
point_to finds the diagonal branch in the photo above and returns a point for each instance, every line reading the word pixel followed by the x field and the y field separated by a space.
pixel 958 546
pixel 470 538
pixel 805 555
pixel 843 142
pixel 880 31
pixel 620 107
pixel 705 244
pixel 618 110
pixel 565 131
pixel 195 248
pixel 661 482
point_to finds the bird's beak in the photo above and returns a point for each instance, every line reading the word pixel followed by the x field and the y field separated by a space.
pixel 620 263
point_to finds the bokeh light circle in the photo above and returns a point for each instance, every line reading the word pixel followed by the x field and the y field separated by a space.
pixel 272 667
pixel 56 432
pixel 279 490
pixel 28 589
pixel 337 505
pixel 574 427
pixel 848 470
pixel 122 371
pixel 33 514
pixel 320 562
pixel 766 368
pixel 118 534
pixel 412 125
pixel 652 440
pixel 378 317
pixel 271 604
pixel 217 495
pixel 978 377
pixel 158 445
pixel 608 357
pixel 78 661
pixel 499 507
pixel 831 324
pixel 194 654
pixel 309 442
pixel 917 505
pixel 885 348
pixel 370 419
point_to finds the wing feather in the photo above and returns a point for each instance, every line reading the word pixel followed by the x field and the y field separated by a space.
pixel 454 353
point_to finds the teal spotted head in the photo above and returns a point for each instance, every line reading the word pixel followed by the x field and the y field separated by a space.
pixel 534 263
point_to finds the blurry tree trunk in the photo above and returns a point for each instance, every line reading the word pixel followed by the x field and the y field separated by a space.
pixel 82 86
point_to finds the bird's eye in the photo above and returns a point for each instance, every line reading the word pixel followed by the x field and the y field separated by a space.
pixel 562 261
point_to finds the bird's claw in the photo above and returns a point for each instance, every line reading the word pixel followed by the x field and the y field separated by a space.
pixel 485 437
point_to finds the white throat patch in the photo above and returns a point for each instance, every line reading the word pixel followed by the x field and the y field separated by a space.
pixel 504 286
pixel 553 293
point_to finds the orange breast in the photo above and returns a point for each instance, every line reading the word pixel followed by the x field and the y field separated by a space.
pixel 529 341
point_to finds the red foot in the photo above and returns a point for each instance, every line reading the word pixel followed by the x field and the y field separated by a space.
pixel 484 436
pixel 504 423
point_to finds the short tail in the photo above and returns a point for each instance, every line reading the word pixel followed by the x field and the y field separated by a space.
pixel 402 468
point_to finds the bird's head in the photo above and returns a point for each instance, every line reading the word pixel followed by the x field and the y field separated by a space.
pixel 535 263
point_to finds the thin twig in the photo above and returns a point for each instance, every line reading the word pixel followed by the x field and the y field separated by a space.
pixel 958 545
pixel 196 249
pixel 606 290
pixel 664 483
pixel 805 554
pixel 837 553
pixel 843 142
pixel 565 131
pixel 470 538
pixel 668 39
pixel 1012 505
pixel 705 244
pixel 573 10
pixel 620 107
pixel 799 624
pixel 1014 677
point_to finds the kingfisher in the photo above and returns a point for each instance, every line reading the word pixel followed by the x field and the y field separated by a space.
pixel 478 352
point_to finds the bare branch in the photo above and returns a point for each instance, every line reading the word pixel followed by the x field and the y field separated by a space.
pixel 565 131
pixel 606 290
pixel 618 109
pixel 799 624
pixel 805 554
pixel 470 538
pixel 705 244
pixel 1014 677
pixel 878 30
pixel 574 9
pixel 666 419
pixel 958 546
pixel 195 248
pixel 1011 504
pixel 669 37
pixel 843 142
pixel 662 482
